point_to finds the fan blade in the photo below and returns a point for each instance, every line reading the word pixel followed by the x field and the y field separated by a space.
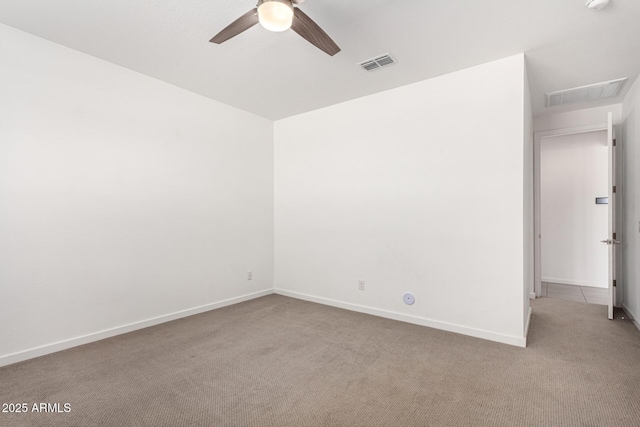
pixel 312 33
pixel 241 24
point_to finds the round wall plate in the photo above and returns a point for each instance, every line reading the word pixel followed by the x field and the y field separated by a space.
pixel 409 299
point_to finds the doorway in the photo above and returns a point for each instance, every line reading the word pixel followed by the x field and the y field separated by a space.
pixel 574 222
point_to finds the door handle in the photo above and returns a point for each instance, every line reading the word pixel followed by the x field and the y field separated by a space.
pixel 611 242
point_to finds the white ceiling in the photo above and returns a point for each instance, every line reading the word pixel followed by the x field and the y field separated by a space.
pixel 277 75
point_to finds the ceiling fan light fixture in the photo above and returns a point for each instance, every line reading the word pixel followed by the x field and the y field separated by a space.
pixel 275 15
pixel 597 4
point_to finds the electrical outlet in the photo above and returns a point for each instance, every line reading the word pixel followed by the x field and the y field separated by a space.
pixel 361 285
pixel 250 275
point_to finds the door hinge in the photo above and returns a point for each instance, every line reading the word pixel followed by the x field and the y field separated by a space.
pixel 614 142
pixel 614 188
pixel 614 236
pixel 614 283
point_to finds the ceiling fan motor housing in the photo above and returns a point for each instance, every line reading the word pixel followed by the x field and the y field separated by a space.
pixel 287 2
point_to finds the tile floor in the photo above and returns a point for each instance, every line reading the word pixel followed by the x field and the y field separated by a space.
pixel 575 293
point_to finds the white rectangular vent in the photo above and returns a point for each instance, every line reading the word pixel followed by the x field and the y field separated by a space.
pixel 585 93
pixel 377 62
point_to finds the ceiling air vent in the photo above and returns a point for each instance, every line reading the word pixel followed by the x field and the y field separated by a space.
pixel 377 62
pixel 585 93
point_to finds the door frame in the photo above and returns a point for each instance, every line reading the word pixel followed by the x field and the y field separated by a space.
pixel 537 139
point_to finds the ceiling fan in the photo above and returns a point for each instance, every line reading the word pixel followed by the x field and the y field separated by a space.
pixel 280 15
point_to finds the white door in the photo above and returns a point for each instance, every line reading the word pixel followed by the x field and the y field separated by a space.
pixel 611 238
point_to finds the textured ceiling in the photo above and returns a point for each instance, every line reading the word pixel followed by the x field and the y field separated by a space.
pixel 277 75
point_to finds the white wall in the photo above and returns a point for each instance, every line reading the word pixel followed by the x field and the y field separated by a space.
pixel 123 199
pixel 573 172
pixel 419 189
pixel 528 203
pixel 631 202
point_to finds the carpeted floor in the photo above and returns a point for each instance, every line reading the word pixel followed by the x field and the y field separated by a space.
pixel 277 361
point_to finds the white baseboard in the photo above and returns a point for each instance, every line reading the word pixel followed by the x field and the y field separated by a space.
pixel 107 333
pixel 526 327
pixel 574 282
pixel 445 326
pixel 532 295
pixel 631 315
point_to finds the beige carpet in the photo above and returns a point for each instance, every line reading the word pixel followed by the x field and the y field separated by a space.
pixel 276 361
